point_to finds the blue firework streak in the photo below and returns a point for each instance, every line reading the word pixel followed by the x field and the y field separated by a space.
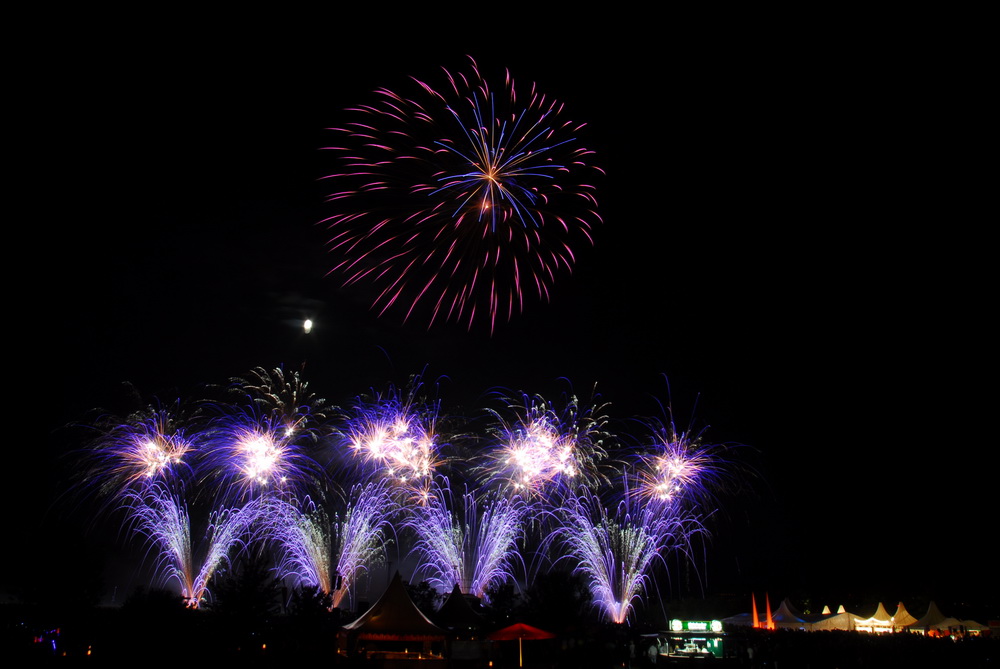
pixel 332 554
pixel 161 516
pixel 615 548
pixel 470 540
pixel 459 201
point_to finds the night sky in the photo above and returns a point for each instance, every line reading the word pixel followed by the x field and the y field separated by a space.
pixel 780 244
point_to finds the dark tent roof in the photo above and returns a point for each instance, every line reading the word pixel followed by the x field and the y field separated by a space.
pixel 457 613
pixel 395 617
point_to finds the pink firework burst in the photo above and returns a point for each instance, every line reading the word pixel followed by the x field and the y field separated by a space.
pixel 457 199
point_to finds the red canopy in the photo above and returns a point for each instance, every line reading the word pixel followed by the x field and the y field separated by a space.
pixel 520 631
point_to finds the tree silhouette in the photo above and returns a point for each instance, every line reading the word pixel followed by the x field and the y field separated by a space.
pixel 246 599
pixel 560 598
pixel 424 597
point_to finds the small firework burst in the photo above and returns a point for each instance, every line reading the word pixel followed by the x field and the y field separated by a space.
pixel 677 467
pixel 396 438
pixel 543 447
pixel 284 397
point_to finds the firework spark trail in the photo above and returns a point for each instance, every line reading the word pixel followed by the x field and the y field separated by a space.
pixel 544 449
pixel 361 535
pixel 332 555
pixel 470 541
pixel 615 552
pixel 459 200
pixel 228 528
pixel 305 540
pixel 162 517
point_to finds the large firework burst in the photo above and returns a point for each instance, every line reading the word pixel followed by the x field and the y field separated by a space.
pixel 251 452
pixel 459 200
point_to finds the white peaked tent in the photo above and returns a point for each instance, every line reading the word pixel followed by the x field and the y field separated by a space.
pixel 880 622
pixel 902 617
pixel 788 617
pixel 933 622
pixel 841 620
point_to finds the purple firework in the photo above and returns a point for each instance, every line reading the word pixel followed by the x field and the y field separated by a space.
pixel 149 446
pixel 545 448
pixel 471 540
pixel 162 517
pixel 457 199
pixel 332 554
pixel 615 550
pixel 253 456
pixel 396 439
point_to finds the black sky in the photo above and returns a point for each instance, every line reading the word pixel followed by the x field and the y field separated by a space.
pixel 780 242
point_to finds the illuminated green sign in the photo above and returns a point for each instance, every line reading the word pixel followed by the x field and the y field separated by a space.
pixel 695 626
